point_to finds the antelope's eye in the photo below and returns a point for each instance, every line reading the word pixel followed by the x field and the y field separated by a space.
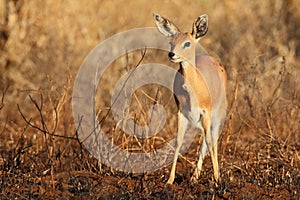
pixel 187 44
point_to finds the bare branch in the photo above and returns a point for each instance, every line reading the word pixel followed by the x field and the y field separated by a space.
pixel 43 130
pixel 109 109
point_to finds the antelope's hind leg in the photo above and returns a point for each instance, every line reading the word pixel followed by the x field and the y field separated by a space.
pixel 215 132
pixel 202 155
pixel 205 125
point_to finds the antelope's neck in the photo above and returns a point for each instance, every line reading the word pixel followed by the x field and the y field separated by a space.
pixel 188 67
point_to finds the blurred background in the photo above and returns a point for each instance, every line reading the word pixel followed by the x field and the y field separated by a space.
pixel 43 43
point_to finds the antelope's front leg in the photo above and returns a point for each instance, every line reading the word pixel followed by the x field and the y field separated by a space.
pixel 182 126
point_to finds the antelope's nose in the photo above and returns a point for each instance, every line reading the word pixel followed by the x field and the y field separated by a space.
pixel 171 54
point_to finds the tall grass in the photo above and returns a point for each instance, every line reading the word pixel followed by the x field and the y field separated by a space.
pixel 42 44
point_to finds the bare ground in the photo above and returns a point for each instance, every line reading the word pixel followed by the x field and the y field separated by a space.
pixel 42 45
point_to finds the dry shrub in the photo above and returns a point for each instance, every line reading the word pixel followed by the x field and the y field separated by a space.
pixel 42 44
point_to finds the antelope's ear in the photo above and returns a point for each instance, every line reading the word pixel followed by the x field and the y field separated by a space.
pixel 165 26
pixel 200 26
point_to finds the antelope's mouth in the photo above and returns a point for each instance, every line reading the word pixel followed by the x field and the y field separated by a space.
pixel 175 59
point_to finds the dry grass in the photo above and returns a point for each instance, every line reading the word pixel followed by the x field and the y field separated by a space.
pixel 42 44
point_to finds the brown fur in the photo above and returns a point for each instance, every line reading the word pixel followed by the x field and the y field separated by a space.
pixel 200 92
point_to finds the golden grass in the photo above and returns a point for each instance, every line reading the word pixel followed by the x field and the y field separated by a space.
pixel 43 43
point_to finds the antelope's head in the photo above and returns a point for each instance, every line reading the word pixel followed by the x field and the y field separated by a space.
pixel 183 45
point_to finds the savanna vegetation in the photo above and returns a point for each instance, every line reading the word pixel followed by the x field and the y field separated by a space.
pixel 44 42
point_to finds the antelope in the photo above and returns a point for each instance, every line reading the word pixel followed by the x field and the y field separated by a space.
pixel 203 103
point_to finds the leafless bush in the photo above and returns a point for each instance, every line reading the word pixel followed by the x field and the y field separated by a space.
pixel 43 43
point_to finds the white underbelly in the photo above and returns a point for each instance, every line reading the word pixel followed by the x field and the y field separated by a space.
pixel 194 116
